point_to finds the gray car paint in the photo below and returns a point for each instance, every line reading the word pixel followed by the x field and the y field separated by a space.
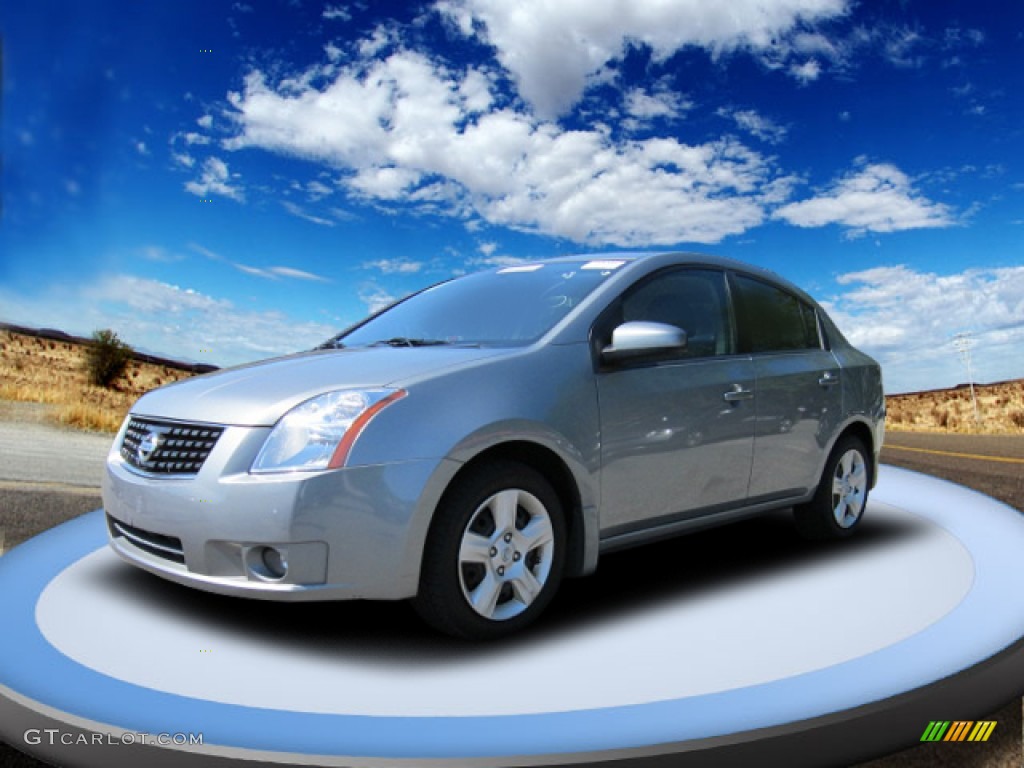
pixel 636 475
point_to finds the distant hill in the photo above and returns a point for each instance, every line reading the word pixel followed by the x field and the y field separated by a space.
pixel 52 334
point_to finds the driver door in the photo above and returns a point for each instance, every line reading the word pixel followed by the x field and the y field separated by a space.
pixel 677 433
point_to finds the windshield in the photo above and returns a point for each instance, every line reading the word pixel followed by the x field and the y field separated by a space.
pixel 512 306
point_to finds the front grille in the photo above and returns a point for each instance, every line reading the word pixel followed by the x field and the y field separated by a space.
pixel 167 547
pixel 168 447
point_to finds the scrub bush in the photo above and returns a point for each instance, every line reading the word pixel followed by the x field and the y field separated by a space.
pixel 106 358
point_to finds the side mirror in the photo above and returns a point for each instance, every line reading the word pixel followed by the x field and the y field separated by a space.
pixel 639 338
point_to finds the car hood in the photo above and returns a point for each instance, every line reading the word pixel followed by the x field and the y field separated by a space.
pixel 258 394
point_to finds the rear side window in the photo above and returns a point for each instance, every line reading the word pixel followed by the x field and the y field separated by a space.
pixel 770 319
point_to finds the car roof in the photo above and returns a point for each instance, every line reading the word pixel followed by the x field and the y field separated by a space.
pixel 667 258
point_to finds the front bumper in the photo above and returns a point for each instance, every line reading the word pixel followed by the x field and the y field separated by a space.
pixel 356 532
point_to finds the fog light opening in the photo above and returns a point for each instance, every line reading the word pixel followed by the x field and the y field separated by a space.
pixel 275 561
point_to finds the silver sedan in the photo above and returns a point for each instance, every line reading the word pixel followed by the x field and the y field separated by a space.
pixel 476 442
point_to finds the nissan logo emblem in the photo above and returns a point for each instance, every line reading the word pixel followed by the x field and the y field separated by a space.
pixel 147 446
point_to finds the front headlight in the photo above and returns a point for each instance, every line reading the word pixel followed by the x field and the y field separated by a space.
pixel 319 433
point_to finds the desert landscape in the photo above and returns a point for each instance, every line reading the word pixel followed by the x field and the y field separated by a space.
pixel 1000 410
pixel 52 371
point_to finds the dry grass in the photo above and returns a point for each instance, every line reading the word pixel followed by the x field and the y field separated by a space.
pixel 54 372
pixel 1000 410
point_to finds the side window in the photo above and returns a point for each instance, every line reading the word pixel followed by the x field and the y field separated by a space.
pixel 770 319
pixel 691 299
pixel 811 335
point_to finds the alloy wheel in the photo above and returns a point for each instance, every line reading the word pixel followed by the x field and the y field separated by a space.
pixel 849 488
pixel 505 554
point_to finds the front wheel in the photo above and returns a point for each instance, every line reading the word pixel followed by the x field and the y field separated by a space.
pixel 494 555
pixel 838 504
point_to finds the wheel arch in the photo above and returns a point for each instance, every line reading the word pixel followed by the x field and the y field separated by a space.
pixel 554 469
pixel 863 432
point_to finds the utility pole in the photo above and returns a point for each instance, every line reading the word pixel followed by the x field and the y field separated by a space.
pixel 962 343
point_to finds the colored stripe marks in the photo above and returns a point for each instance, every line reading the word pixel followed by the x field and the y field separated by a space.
pixel 958 730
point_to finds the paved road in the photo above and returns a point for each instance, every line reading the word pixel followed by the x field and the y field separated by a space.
pixel 992 464
pixel 47 474
pixel 50 475
pixel 34 452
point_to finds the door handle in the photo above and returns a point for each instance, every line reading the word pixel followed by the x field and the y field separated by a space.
pixel 828 379
pixel 738 393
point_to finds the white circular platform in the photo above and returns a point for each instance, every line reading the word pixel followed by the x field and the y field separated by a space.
pixel 919 604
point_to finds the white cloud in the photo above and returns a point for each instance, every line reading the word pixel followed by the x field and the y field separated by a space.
pixel 159 254
pixel 334 53
pixel 302 213
pixel 877 198
pixel 340 214
pixel 269 273
pixel 394 266
pixel 645 105
pixel 490 260
pixel 385 183
pixel 297 274
pixel 273 273
pixel 204 251
pixel 381 37
pixel 759 126
pixel 404 129
pixel 318 190
pixel 551 48
pixel 195 138
pixel 140 147
pixel 214 180
pixel 807 54
pixel 814 44
pixel 906 319
pixel 899 47
pixel 337 13
pixel 375 297
pixel 807 72
pixel 488 249
pixel 475 92
pixel 165 319
pixel 184 159
pixel 206 121
pixel 254 271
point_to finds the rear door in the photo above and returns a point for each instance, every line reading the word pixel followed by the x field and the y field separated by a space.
pixel 677 433
pixel 799 396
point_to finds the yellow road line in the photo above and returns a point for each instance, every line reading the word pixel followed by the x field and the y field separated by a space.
pixel 978 456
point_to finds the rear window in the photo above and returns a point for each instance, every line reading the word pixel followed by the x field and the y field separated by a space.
pixel 771 319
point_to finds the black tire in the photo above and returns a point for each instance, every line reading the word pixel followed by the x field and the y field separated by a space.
pixel 842 495
pixel 510 561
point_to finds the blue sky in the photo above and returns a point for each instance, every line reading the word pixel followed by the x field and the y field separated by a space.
pixel 225 181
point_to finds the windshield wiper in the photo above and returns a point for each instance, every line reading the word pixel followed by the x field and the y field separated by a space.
pixel 403 341
pixel 331 344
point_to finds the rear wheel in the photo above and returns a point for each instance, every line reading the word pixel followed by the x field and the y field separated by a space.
pixel 494 555
pixel 838 504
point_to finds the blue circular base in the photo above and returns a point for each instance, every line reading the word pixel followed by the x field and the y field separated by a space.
pixel 819 655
